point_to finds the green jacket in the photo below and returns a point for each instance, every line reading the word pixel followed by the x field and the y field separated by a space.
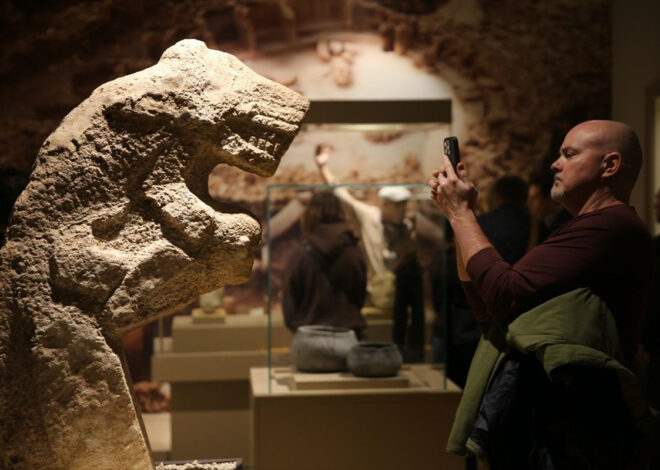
pixel 573 328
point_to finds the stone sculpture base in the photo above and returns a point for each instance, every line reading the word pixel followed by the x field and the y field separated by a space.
pixel 217 464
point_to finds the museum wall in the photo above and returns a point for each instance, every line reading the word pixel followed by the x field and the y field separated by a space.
pixel 636 69
pixel 520 72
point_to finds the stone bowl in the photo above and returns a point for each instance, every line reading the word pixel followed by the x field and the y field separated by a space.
pixel 375 359
pixel 318 348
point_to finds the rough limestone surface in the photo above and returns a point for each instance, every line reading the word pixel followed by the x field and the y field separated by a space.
pixel 115 229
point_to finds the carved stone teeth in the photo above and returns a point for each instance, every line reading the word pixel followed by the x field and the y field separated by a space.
pixel 259 136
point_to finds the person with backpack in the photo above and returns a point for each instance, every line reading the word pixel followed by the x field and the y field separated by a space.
pixel 326 280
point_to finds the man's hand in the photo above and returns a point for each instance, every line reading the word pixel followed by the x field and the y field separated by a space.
pixel 453 193
pixel 456 197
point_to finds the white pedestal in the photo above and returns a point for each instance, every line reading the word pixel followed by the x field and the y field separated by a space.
pixel 372 428
pixel 208 369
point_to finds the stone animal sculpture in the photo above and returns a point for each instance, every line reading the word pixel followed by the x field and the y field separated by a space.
pixel 115 229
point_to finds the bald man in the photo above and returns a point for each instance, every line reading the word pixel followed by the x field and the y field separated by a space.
pixel 604 247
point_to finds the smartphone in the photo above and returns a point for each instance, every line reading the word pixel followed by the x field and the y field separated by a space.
pixel 451 150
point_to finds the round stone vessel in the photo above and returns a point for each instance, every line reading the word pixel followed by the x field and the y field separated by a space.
pixel 318 348
pixel 374 359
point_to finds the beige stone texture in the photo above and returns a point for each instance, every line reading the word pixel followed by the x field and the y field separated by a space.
pixel 115 229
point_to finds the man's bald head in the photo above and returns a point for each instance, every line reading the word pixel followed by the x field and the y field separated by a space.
pixel 617 137
pixel 598 163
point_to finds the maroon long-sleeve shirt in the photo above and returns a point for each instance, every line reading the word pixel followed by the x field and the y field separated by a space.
pixel 608 250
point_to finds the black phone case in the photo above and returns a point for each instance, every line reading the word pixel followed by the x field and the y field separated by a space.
pixel 451 150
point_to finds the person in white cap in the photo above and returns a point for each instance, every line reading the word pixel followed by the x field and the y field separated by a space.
pixel 388 239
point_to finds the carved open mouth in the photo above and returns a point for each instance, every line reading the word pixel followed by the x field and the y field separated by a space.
pixel 258 142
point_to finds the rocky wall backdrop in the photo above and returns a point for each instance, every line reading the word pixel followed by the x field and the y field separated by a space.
pixel 524 70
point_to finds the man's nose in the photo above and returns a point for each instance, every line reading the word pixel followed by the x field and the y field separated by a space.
pixel 556 166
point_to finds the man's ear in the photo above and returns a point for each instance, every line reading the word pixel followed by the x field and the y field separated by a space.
pixel 611 164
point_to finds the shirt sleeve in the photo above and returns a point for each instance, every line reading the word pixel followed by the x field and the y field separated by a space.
pixel 357 210
pixel 476 304
pixel 563 262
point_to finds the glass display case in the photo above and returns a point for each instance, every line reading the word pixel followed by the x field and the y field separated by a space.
pixel 398 236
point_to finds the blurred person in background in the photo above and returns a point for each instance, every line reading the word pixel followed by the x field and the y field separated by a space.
pixel 326 279
pixel 509 225
pixel 389 240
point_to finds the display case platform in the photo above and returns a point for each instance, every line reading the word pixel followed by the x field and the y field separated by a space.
pixel 336 381
pixel 393 427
